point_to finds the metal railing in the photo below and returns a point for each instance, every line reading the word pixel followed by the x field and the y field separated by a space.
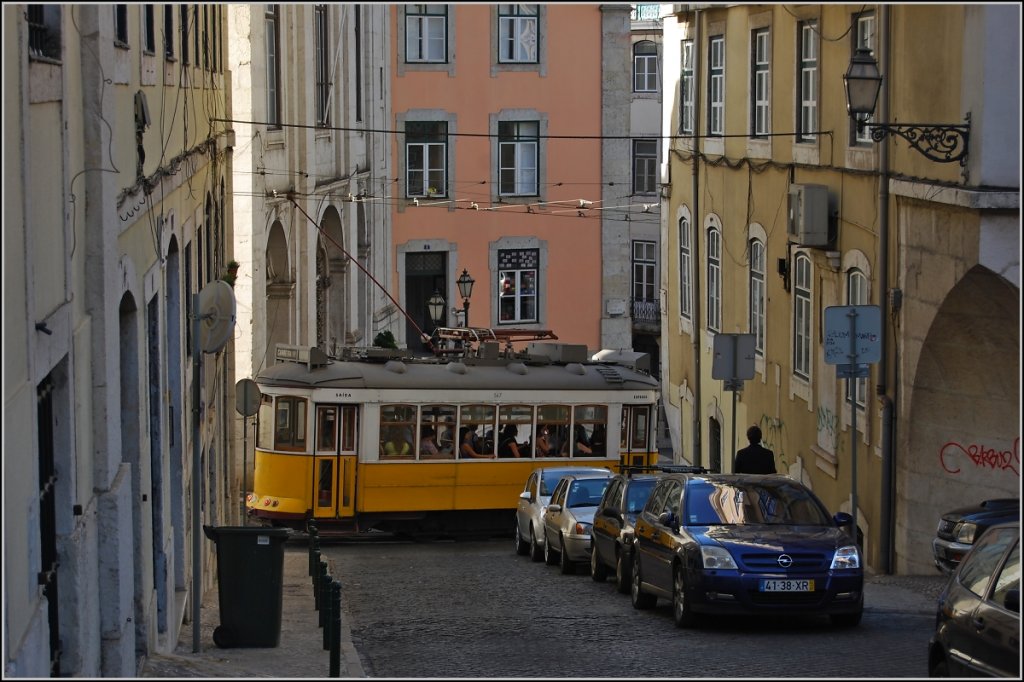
pixel 645 13
pixel 646 310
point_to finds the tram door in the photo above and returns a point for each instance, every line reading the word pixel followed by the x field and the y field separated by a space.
pixel 636 436
pixel 334 461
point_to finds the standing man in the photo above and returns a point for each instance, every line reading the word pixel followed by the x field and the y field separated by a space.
pixel 755 458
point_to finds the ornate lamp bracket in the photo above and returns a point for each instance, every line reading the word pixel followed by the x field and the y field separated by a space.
pixel 938 142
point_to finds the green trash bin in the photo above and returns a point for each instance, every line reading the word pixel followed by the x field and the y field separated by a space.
pixel 250 564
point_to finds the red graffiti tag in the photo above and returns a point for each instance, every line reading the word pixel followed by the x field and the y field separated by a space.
pixel 981 456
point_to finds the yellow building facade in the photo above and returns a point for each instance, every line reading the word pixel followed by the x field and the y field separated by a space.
pixel 777 207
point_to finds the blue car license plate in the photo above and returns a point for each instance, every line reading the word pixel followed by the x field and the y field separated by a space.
pixel 787 586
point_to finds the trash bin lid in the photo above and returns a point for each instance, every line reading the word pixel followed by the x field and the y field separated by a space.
pixel 214 532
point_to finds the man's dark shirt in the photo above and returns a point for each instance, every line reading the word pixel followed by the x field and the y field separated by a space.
pixel 754 459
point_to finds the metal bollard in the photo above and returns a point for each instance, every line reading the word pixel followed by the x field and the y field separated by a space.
pixel 335 670
pixel 318 595
pixel 314 546
pixel 325 598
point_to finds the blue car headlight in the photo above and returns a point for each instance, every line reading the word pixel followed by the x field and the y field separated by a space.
pixel 846 557
pixel 715 557
pixel 965 532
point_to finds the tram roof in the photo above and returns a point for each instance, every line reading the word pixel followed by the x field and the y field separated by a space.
pixel 406 373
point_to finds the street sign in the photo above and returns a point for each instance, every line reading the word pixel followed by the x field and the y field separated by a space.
pixel 733 357
pixel 247 397
pixel 851 371
pixel 853 334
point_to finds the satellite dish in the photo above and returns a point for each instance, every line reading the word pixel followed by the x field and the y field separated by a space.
pixel 216 315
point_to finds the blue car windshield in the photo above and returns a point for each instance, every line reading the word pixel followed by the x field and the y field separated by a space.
pixel 586 493
pixel 710 503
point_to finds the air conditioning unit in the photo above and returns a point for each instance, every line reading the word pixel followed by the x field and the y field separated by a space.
pixel 808 215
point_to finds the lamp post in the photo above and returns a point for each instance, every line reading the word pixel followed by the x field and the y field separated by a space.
pixel 937 141
pixel 465 284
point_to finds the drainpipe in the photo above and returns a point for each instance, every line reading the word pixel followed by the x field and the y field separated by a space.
pixel 888 412
pixel 695 241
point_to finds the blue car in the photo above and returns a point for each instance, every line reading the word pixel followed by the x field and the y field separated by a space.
pixel 744 544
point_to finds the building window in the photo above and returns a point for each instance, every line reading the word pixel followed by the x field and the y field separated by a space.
pixel 148 29
pixel 168 31
pixel 714 279
pixel 323 84
pixel 645 66
pixel 716 86
pixel 645 166
pixel 686 91
pixel 807 82
pixel 206 38
pixel 426 33
pixel 802 316
pixel 426 151
pixel 757 294
pixel 857 294
pixel 183 18
pixel 685 264
pixel 43 31
pixel 273 24
pixel 195 34
pixel 517 285
pixel 645 269
pixel 864 36
pixel 759 82
pixel 517 33
pixel 121 25
pixel 517 154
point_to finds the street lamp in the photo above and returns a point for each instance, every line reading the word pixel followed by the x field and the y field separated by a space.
pixel 435 306
pixel 465 284
pixel 937 141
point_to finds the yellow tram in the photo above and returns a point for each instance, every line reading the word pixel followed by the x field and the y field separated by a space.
pixel 375 440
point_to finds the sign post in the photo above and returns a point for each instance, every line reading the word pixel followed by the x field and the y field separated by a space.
pixel 247 403
pixel 852 342
pixel 734 363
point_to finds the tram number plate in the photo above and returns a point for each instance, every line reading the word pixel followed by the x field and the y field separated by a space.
pixel 787 586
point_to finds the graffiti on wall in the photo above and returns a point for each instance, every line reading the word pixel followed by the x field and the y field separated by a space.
pixel 828 422
pixel 771 436
pixel 953 455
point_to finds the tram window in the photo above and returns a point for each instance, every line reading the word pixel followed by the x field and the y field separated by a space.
pixel 590 427
pixel 556 418
pixel 520 417
pixel 265 423
pixel 480 419
pixel 327 429
pixel 397 424
pixel 349 421
pixel 324 480
pixel 440 421
pixel 290 423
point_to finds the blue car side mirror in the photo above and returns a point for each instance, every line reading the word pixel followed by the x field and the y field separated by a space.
pixel 842 519
pixel 1012 601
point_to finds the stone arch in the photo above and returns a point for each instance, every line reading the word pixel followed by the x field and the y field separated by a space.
pixel 332 274
pixel 280 288
pixel 963 431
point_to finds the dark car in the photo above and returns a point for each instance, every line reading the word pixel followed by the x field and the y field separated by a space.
pixel 977 627
pixel 612 534
pixel 958 529
pixel 744 544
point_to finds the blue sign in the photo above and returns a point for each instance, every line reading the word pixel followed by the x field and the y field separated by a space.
pixel 853 334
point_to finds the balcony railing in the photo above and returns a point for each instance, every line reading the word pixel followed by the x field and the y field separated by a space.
pixel 645 13
pixel 646 311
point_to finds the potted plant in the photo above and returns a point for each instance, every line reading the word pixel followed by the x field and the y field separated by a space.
pixel 230 272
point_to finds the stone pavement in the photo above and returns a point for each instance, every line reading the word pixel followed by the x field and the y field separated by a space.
pixel 300 653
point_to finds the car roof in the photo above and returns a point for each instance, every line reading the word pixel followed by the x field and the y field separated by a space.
pixel 571 470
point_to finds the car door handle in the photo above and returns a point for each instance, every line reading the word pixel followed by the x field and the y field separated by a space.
pixel 978 623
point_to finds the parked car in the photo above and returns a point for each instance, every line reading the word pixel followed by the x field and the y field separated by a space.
pixel 529 537
pixel 611 537
pixel 977 627
pixel 568 518
pixel 744 544
pixel 959 528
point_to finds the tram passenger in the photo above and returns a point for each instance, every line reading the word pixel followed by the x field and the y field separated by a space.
pixel 597 441
pixel 581 442
pixel 428 448
pixel 508 446
pixel 544 446
pixel 396 445
pixel 469 444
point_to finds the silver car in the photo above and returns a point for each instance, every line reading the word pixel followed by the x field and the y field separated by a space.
pixel 569 518
pixel 529 535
